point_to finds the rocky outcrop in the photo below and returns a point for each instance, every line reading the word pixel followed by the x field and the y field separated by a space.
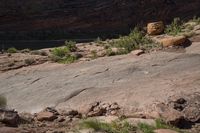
pixel 56 19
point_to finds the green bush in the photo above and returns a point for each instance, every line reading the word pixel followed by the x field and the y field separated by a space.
pixel 135 40
pixel 29 61
pixel 109 52
pixel 68 59
pixel 175 27
pixel 94 54
pixel 60 52
pixel 62 55
pixel 38 52
pixel 12 50
pixel 25 50
pixel 3 101
pixel 114 127
pixel 71 46
pixel 98 40
pixel 196 19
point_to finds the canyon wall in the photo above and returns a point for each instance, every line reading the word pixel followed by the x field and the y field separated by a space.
pixel 58 19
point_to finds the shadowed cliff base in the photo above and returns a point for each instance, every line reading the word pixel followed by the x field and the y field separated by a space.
pixel 59 19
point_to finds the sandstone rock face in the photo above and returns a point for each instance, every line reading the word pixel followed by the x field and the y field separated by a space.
pixel 173 41
pixel 155 28
pixel 54 19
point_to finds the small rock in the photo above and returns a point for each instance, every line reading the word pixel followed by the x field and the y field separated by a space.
pixel 164 131
pixel 113 112
pixel 173 41
pixel 114 106
pixel 155 28
pixel 46 116
pixel 97 112
pixel 137 52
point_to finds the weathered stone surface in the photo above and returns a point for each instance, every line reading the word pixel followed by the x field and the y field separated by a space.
pixel 173 41
pixel 165 131
pixel 155 28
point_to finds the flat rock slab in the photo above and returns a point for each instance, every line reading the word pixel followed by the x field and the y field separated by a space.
pixel 133 82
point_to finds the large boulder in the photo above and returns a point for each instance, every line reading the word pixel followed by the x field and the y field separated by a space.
pixel 172 41
pixel 188 105
pixel 155 28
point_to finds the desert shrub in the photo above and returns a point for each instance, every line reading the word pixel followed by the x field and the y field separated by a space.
pixel 109 52
pixel 135 40
pixel 12 50
pixel 114 127
pixel 60 52
pixel 98 40
pixel 29 61
pixel 65 60
pixel 94 54
pixel 25 50
pixel 37 52
pixel 71 46
pixel 3 101
pixel 145 128
pixel 175 27
pixel 196 19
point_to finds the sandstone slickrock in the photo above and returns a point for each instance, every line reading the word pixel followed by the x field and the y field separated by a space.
pixel 155 28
